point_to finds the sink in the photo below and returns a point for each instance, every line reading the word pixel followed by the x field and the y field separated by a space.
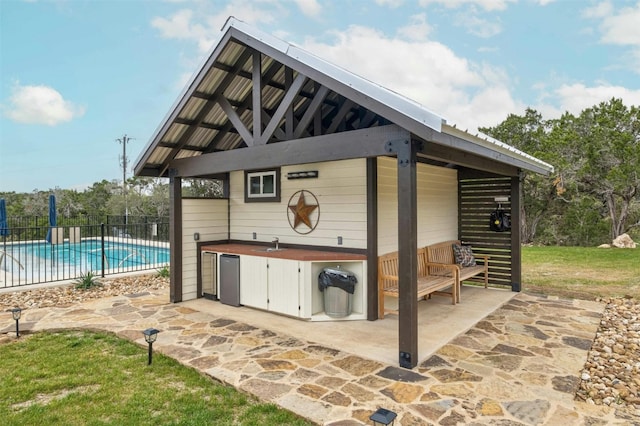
pixel 269 249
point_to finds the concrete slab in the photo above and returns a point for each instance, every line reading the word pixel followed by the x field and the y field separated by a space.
pixel 438 323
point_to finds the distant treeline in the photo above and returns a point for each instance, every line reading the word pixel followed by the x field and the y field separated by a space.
pixel 144 197
pixel 594 194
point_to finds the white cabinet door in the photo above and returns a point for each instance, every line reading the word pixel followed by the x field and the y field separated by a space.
pixel 253 281
pixel 284 287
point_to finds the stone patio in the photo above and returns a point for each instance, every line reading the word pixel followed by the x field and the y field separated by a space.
pixel 519 365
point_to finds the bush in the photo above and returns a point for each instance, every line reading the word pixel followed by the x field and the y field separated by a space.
pixel 87 281
pixel 163 272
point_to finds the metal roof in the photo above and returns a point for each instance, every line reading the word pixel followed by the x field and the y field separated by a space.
pixel 215 111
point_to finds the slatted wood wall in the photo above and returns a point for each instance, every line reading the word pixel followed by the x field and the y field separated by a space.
pixel 477 196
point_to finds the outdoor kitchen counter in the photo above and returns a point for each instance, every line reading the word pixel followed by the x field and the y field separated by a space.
pixel 286 281
pixel 302 255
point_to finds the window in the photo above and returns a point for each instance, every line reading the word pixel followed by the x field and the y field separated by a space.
pixel 262 185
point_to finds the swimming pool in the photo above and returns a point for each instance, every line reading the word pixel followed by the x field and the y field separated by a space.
pixel 35 261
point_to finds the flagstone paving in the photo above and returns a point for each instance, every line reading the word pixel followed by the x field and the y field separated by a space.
pixel 518 366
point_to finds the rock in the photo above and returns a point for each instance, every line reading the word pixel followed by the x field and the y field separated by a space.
pixel 611 374
pixel 66 295
pixel 604 246
pixel 623 241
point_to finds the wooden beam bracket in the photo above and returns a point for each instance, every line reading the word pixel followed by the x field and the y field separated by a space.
pixel 402 148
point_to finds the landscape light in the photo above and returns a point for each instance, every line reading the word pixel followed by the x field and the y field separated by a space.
pixel 17 312
pixel 150 336
pixel 383 417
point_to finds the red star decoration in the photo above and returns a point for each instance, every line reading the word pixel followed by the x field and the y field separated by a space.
pixel 301 212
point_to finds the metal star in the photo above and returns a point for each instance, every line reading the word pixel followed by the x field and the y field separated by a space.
pixel 301 212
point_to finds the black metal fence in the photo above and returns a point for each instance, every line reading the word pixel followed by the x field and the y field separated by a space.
pixel 39 254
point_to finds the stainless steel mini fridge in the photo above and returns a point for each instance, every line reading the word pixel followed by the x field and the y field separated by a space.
pixel 229 280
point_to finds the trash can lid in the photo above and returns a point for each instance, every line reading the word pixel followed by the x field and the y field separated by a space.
pixel 338 271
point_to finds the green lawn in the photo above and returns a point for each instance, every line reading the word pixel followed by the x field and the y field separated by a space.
pixel 85 378
pixel 581 272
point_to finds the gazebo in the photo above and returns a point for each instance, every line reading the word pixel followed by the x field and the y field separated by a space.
pixel 270 119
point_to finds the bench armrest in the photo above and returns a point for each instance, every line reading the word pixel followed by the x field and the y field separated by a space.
pixel 455 269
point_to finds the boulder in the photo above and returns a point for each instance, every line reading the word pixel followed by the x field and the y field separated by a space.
pixel 623 241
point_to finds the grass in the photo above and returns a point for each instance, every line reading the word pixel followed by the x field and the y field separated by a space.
pixel 86 378
pixel 581 272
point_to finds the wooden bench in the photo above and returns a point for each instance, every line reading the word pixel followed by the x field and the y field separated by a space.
pixel 442 254
pixel 427 283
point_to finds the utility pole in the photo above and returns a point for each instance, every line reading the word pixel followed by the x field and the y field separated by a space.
pixel 123 161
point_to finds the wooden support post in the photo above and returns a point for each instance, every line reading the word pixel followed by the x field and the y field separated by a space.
pixel 175 237
pixel 516 247
pixel 407 251
pixel 372 238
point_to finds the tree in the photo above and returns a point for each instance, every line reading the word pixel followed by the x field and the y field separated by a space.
pixel 207 188
pixel 529 133
pixel 596 182
pixel 97 196
pixel 612 168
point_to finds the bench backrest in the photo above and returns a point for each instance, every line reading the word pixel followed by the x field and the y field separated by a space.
pixel 441 253
pixel 423 269
pixel 387 266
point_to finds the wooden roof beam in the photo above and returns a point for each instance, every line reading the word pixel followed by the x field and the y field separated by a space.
pixel 288 98
pixel 248 101
pixel 318 99
pixel 362 143
pixel 206 109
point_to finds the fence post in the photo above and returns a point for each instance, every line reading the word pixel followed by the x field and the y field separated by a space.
pixel 102 253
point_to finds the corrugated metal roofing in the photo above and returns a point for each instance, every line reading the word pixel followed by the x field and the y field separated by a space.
pixel 230 64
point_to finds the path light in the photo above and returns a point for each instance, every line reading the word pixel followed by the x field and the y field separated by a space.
pixel 16 312
pixel 150 336
pixel 383 417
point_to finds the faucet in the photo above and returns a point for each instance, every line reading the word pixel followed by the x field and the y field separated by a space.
pixel 276 240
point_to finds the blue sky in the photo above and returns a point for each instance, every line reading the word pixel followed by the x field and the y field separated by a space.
pixel 77 75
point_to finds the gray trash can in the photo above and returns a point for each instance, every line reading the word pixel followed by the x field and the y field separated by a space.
pixel 338 286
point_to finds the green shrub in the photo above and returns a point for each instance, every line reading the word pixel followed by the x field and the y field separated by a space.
pixel 87 281
pixel 163 272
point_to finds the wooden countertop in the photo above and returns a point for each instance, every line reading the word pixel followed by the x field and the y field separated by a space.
pixel 285 253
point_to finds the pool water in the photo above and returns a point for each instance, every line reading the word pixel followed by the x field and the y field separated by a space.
pixel 40 261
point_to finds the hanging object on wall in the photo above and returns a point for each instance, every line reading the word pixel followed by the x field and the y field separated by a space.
pixel 499 220
pixel 303 212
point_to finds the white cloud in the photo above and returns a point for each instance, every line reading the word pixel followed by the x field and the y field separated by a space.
pixel 203 26
pixel 619 27
pixel 623 28
pixel 184 78
pixel 576 97
pixel 428 72
pixel 489 5
pixel 391 3
pixel 478 26
pixel 181 26
pixel 545 2
pixel 40 105
pixel 418 29
pixel 309 7
pixel 600 10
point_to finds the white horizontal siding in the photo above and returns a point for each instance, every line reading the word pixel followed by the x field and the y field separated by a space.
pixel 209 218
pixel 342 195
pixel 437 204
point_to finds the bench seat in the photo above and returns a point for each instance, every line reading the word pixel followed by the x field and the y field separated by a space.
pixel 441 254
pixel 427 284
